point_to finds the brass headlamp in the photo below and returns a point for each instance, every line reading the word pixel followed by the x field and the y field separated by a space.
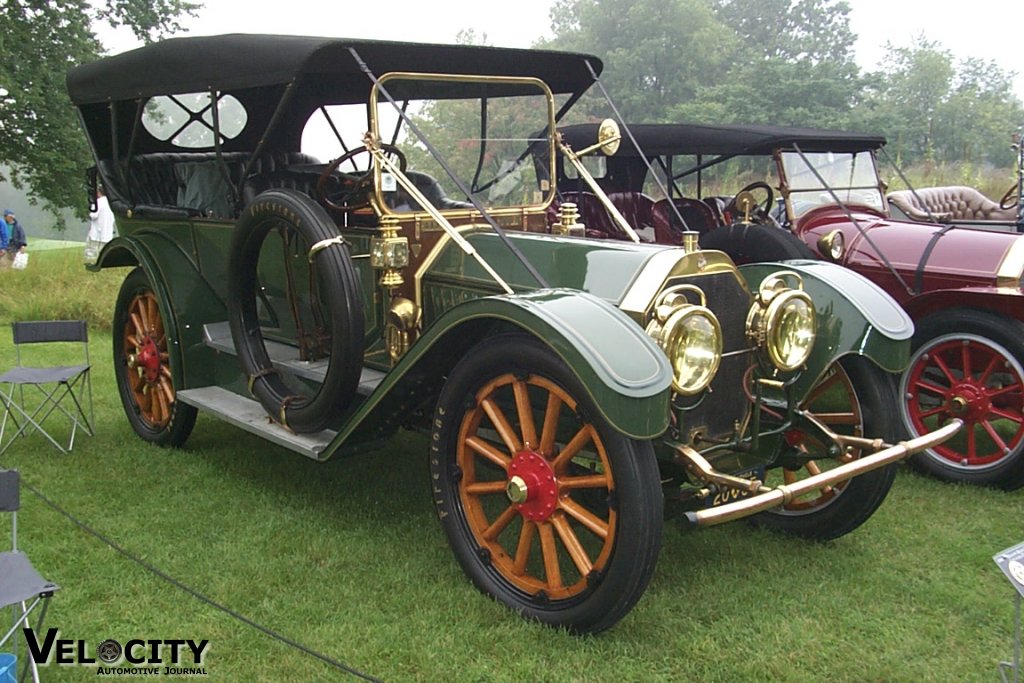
pixel 783 321
pixel 690 335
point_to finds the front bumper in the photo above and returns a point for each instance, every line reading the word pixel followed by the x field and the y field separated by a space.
pixel 780 495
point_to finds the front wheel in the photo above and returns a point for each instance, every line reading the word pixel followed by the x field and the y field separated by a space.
pixel 854 398
pixel 142 364
pixel 547 508
pixel 967 364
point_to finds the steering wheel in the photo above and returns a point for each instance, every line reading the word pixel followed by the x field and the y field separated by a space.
pixel 759 212
pixel 1010 199
pixel 355 192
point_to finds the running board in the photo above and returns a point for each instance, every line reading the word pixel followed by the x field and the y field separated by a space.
pixel 286 358
pixel 250 416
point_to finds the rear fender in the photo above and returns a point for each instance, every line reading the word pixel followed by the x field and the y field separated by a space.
pixel 855 316
pixel 186 301
pixel 624 372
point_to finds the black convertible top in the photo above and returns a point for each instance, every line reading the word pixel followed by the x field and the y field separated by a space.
pixel 668 139
pixel 235 61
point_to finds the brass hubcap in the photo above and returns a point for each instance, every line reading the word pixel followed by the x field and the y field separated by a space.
pixel 516 490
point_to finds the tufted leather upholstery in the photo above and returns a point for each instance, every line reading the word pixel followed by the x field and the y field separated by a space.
pixel 697 214
pixel 635 207
pixel 949 204
pixel 157 184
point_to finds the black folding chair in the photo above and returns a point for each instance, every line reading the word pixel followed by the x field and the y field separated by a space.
pixel 21 586
pixel 58 386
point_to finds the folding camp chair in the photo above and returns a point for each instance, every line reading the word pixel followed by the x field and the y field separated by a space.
pixel 21 587
pixel 54 383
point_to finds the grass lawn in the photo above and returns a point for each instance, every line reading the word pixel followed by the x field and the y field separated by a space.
pixel 347 558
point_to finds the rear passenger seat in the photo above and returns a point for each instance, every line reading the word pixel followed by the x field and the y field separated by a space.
pixel 193 184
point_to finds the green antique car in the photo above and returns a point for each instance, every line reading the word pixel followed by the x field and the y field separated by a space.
pixel 569 386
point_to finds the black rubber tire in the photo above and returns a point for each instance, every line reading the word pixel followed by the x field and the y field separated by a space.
pixel 756 243
pixel 173 424
pixel 1003 335
pixel 294 211
pixel 635 505
pixel 856 500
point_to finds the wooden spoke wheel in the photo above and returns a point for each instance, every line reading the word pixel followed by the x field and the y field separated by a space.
pixel 968 365
pixel 143 364
pixel 854 398
pixel 548 508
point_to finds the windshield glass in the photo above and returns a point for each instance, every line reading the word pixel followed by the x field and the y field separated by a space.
pixel 492 133
pixel 852 176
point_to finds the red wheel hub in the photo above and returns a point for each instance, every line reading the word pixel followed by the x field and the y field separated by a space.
pixel 532 486
pixel 148 358
pixel 976 382
pixel 969 402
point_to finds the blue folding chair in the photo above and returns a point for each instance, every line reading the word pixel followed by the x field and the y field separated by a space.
pixel 63 389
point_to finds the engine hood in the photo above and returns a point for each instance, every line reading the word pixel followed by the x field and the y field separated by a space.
pixel 927 256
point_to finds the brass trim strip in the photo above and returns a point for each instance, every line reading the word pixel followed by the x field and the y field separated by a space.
pixel 1011 268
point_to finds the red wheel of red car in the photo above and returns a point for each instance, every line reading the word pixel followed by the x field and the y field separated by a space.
pixel 977 380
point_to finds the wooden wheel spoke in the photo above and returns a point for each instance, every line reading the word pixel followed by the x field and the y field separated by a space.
pixel 1008 389
pixel 934 411
pixel 585 517
pixel 1007 415
pixel 526 535
pixel 167 389
pixel 572 544
pixel 549 550
pixel 140 327
pixel 941 364
pixel 933 388
pixel 987 426
pixel 820 389
pixel 972 444
pixel 989 369
pixel 571 449
pixel 483 488
pixel 525 410
pixel 965 360
pixel 502 425
pixel 550 428
pixel 589 481
pixel 489 451
pixel 503 520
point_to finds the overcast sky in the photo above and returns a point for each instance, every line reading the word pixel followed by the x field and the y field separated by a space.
pixel 988 29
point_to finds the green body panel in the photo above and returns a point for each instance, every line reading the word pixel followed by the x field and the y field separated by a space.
pixel 604 268
pixel 854 317
pixel 187 300
pixel 621 368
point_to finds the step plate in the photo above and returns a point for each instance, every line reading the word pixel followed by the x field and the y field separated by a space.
pixel 250 416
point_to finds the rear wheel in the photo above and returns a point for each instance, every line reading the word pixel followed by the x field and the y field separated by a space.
pixel 546 507
pixel 142 364
pixel 854 398
pixel 968 365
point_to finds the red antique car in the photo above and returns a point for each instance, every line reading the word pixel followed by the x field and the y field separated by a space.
pixel 817 194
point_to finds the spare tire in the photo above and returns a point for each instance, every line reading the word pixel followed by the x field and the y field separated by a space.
pixel 749 243
pixel 341 304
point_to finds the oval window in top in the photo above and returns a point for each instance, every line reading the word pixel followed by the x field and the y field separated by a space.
pixel 186 120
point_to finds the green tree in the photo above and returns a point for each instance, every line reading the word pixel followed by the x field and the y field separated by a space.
pixel 40 140
pixel 657 53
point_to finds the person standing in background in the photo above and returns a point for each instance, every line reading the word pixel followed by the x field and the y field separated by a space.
pixel 101 226
pixel 16 240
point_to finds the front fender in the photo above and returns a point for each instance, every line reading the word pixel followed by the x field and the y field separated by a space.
pixel 624 372
pixel 855 316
